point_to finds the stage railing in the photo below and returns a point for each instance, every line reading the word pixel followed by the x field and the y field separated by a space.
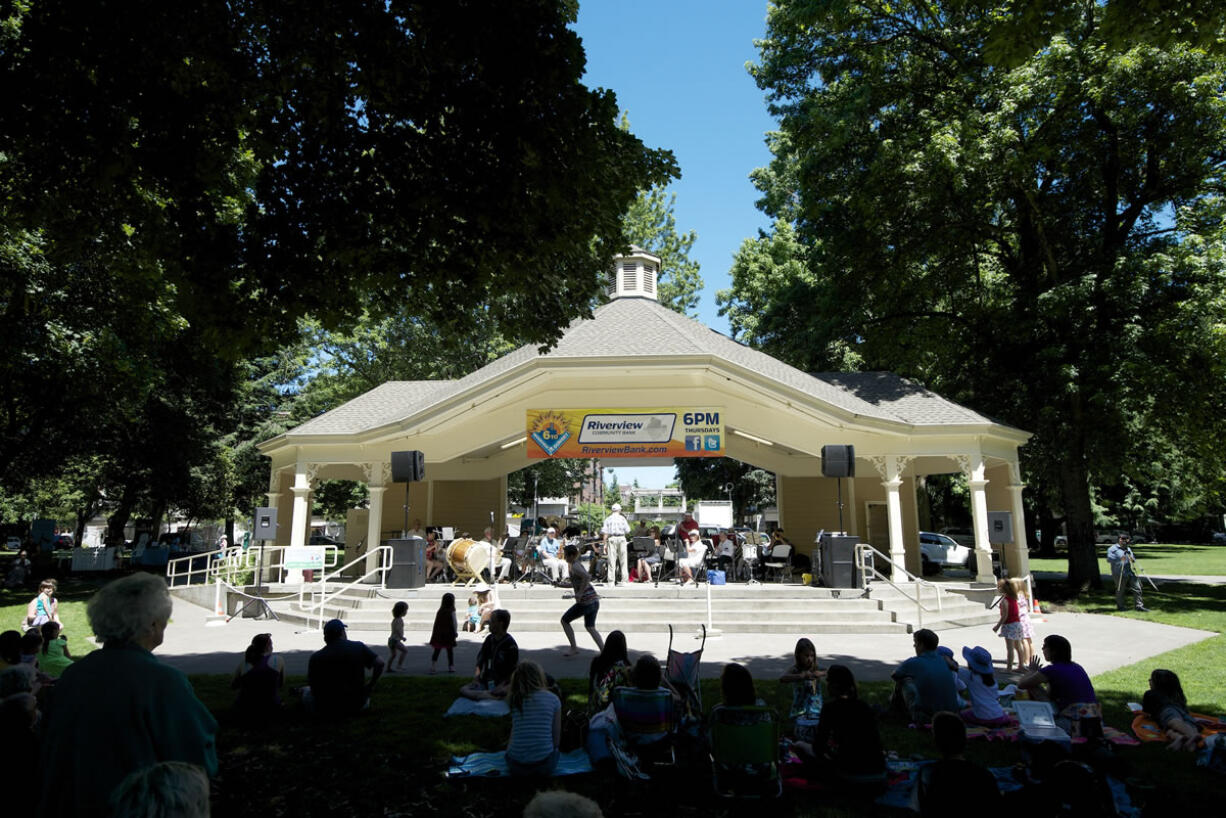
pixel 865 559
pixel 317 608
pixel 202 568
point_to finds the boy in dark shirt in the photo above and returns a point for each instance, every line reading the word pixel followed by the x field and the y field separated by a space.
pixel 953 784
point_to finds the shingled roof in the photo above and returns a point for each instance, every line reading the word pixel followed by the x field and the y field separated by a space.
pixel 641 327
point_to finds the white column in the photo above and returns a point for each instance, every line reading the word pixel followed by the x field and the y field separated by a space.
pixel 1019 553
pixel 891 467
pixel 979 519
pixel 374 526
pixel 302 514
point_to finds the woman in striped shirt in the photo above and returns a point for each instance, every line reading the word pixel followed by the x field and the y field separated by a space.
pixel 536 723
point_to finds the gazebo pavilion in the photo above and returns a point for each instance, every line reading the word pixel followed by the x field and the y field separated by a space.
pixel 632 353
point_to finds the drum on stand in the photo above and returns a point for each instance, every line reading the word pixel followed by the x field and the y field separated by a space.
pixel 468 559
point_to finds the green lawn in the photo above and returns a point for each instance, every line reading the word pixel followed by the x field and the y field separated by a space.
pixel 73 595
pixel 1156 559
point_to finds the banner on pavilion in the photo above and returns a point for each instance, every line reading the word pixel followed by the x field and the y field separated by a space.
pixel 608 433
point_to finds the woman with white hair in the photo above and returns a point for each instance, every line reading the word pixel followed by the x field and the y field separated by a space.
pixel 118 709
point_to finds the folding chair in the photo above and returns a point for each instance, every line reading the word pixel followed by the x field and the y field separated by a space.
pixel 646 720
pixel 779 561
pixel 745 752
pixel 681 671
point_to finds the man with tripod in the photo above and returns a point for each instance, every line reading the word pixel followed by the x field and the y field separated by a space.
pixel 1123 573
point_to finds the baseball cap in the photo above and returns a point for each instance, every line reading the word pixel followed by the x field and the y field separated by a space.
pixel 333 626
pixel 617 506
pixel 551 530
pixel 694 533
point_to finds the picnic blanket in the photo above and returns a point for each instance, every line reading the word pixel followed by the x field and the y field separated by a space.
pixel 485 707
pixel 902 776
pixel 1014 732
pixel 1146 729
pixel 494 765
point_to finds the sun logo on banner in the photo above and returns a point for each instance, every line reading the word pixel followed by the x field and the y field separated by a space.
pixel 549 431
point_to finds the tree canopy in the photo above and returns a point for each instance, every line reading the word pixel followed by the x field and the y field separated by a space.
pixel 208 176
pixel 1043 242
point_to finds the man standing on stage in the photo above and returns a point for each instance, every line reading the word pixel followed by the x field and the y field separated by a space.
pixel 613 533
pixel 688 524
pixel 1123 574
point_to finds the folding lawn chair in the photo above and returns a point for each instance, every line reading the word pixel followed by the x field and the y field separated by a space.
pixel 646 720
pixel 681 671
pixel 745 752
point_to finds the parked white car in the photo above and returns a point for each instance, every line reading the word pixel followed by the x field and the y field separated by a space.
pixel 939 550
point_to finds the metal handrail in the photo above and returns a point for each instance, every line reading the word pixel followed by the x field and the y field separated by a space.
pixel 385 564
pixel 209 570
pixel 864 553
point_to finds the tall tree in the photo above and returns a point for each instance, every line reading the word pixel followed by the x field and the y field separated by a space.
pixel 238 166
pixel 651 224
pixel 1042 242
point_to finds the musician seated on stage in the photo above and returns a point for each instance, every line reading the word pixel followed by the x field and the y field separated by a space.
pixel 725 551
pixel 550 549
pixel 435 564
pixel 497 560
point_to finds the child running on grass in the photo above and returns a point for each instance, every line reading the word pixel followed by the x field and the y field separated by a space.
pixel 443 636
pixel 395 642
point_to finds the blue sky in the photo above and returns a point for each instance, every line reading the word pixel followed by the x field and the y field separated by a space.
pixel 678 69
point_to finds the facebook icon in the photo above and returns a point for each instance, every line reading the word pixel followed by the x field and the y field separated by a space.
pixel 693 443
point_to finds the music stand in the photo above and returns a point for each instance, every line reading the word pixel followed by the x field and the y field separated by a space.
pixel 534 565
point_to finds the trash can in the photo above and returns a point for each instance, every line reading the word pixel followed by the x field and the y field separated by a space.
pixel 408 563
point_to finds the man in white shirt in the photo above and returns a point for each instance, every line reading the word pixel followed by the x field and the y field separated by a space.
pixel 613 533
pixel 497 561
pixel 550 548
pixel 416 530
pixel 725 552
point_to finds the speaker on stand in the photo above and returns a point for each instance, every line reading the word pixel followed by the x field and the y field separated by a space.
pixel 839 461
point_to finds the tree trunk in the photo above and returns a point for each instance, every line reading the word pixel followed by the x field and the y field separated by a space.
pixel 118 521
pixel 1083 570
pixel 1050 526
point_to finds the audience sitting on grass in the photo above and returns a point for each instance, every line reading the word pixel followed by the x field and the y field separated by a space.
pixel 44 607
pixel 337 674
pixel 258 678
pixel 847 752
pixel 805 677
pixel 19 740
pixel 118 709
pixel 55 656
pixel 1068 687
pixel 1166 704
pixel 10 649
pixel 561 804
pixel 19 571
pixel 31 646
pixel 169 789
pixel 496 661
pixel 952 785
pixel 980 682
pixel 610 668
pixel 736 687
pixel 536 723
pixel 924 684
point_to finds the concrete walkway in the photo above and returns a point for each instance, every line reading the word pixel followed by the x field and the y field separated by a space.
pixel 1100 643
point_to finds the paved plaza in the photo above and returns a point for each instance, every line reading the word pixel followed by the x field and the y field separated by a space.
pixel 1100 643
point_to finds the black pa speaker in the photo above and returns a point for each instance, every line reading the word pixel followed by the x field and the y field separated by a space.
pixel 408 467
pixel 838 461
pixel 265 524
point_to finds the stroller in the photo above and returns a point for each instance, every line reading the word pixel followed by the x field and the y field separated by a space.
pixel 681 672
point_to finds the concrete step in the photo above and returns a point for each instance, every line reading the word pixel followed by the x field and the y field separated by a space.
pixel 526 623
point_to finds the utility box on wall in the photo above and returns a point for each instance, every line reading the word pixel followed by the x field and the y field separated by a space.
pixel 1000 527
